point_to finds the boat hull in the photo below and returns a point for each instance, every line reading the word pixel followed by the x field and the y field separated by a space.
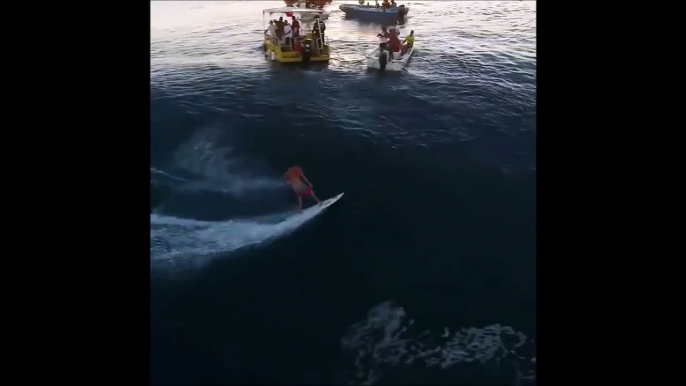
pixel 309 17
pixel 398 64
pixel 275 52
pixel 374 13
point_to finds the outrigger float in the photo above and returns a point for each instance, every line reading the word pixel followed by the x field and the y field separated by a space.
pixel 310 44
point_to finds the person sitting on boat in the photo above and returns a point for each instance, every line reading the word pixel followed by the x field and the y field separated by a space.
pixel 296 26
pixel 408 42
pixel 385 4
pixel 361 2
pixel 393 4
pixel 377 3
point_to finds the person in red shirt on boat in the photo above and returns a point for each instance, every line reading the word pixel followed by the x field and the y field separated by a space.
pixel 393 42
pixel 300 184
pixel 296 27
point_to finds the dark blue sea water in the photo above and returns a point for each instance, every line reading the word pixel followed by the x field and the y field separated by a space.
pixel 422 273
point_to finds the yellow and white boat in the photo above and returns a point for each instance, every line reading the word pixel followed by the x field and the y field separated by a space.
pixel 310 44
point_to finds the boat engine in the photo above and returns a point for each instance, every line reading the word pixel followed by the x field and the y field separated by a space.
pixel 383 59
pixel 306 50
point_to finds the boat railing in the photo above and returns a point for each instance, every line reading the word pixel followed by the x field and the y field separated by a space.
pixel 273 40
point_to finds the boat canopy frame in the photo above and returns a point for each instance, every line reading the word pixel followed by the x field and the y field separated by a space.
pixel 294 11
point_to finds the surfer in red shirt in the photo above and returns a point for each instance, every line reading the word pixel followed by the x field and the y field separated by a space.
pixel 300 184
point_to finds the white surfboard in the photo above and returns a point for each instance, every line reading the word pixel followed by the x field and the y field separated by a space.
pixel 307 212
pixel 330 201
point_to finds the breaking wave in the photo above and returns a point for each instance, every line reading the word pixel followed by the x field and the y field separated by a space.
pixel 385 347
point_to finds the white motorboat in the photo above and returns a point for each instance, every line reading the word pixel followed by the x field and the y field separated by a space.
pixel 381 59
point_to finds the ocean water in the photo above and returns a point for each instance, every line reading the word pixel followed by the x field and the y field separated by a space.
pixel 422 273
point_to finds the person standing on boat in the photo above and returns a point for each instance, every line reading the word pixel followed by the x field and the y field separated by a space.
pixel 296 27
pixel 383 39
pixel 300 184
pixel 394 42
pixel 271 30
pixel 318 29
pixel 408 42
pixel 279 28
pixel 288 34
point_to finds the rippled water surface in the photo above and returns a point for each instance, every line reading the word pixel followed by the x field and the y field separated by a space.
pixel 435 231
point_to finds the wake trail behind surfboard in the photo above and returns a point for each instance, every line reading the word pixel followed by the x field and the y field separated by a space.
pixel 173 239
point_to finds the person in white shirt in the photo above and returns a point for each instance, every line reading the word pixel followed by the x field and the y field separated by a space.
pixel 288 33
pixel 383 38
pixel 271 29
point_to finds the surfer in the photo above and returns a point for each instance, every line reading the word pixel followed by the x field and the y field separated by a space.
pixel 300 184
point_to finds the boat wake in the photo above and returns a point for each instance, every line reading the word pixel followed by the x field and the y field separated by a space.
pixel 177 242
pixel 386 347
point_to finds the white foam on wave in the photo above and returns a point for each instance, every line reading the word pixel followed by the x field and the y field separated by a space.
pixel 176 240
pixel 385 340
